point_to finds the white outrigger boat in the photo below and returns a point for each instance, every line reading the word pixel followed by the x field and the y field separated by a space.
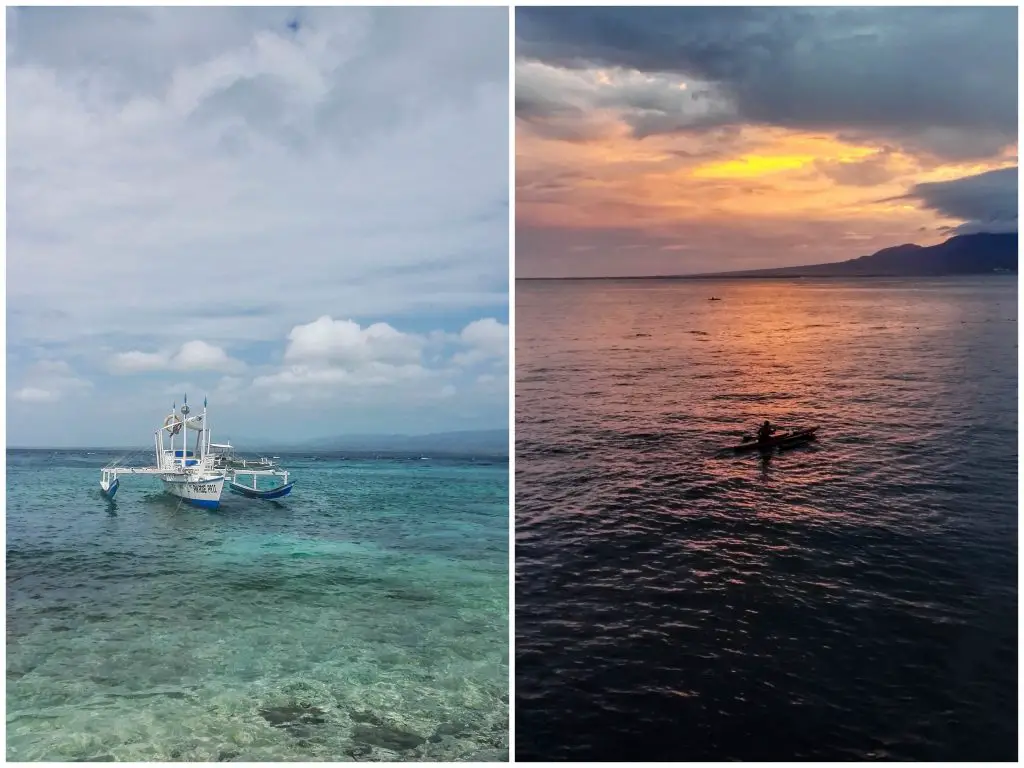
pixel 197 475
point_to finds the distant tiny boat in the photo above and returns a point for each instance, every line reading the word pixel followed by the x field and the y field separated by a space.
pixel 714 298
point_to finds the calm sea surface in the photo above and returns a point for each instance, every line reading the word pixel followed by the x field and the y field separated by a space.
pixel 856 598
pixel 363 617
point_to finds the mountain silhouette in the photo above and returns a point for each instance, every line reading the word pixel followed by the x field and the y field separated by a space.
pixel 982 253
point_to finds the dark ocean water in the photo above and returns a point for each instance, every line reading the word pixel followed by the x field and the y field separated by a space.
pixel 852 599
pixel 363 617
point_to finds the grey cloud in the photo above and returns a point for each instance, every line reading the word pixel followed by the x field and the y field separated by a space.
pixel 902 73
pixel 568 105
pixel 129 184
pixel 542 183
pixel 986 202
pixel 868 172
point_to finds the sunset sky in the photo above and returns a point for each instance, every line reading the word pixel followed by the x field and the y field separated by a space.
pixel 689 140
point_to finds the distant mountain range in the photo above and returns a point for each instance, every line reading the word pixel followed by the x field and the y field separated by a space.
pixel 983 253
pixel 481 444
pixel 491 442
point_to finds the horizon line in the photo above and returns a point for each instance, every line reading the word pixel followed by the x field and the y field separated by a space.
pixel 770 277
pixel 753 274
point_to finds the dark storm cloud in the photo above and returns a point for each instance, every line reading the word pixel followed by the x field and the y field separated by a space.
pixel 987 202
pixel 941 79
pixel 532 104
pixel 687 40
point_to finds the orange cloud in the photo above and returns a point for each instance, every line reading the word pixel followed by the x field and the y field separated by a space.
pixel 772 177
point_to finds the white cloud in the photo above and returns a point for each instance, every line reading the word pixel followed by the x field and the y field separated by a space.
pixel 329 355
pixel 372 374
pixel 198 355
pixel 191 356
pixel 330 358
pixel 346 343
pixel 487 333
pixel 49 381
pixel 36 395
pixel 486 339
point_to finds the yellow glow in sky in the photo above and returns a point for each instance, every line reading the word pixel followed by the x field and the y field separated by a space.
pixel 751 166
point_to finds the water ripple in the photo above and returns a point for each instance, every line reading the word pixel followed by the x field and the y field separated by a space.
pixel 851 599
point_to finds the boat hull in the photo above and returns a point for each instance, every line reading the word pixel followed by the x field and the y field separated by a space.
pixel 202 492
pixel 256 493
pixel 786 440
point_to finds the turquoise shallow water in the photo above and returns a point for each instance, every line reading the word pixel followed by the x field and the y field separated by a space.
pixel 364 617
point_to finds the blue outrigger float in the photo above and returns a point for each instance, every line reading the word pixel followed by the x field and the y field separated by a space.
pixel 262 468
pixel 237 468
pixel 256 493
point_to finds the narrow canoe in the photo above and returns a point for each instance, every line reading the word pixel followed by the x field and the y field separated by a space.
pixel 781 440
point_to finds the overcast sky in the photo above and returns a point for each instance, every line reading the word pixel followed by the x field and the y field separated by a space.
pixel 687 140
pixel 302 214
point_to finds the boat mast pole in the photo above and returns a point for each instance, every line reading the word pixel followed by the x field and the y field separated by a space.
pixel 184 431
pixel 206 434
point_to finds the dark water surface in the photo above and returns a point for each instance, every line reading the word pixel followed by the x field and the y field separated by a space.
pixel 363 617
pixel 852 599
